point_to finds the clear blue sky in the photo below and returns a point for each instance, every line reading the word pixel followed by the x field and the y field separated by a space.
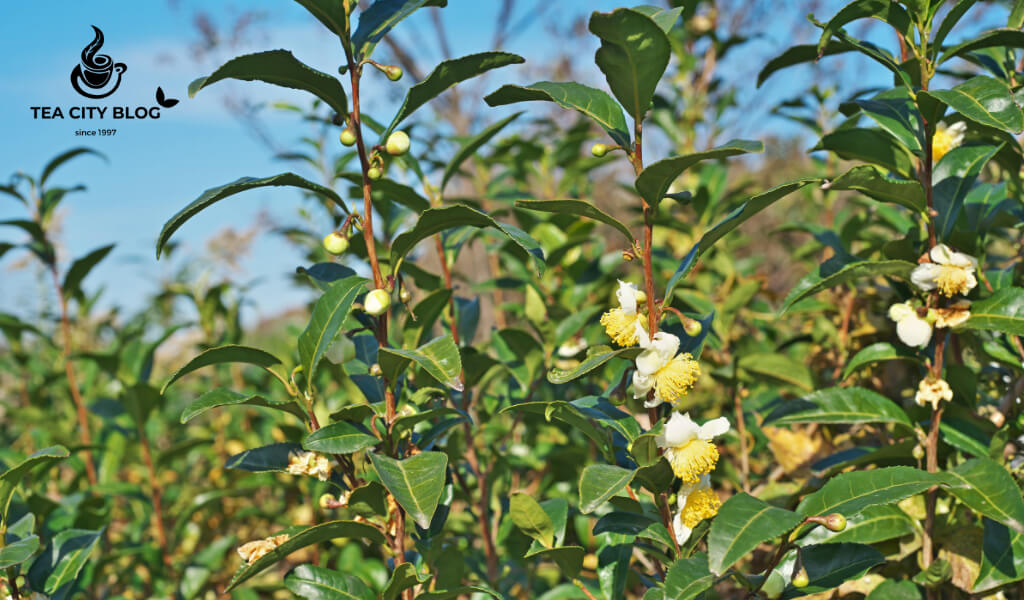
pixel 156 167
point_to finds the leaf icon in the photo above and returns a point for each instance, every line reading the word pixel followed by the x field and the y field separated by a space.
pixel 164 101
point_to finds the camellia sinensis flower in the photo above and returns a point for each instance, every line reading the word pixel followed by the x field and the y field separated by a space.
pixel 910 327
pixel 621 323
pixel 932 390
pixel 949 271
pixel 659 368
pixel 946 138
pixel 253 551
pixel 953 315
pixel 309 463
pixel 689 447
pixel 697 501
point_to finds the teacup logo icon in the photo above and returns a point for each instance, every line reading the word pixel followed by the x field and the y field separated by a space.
pixel 97 76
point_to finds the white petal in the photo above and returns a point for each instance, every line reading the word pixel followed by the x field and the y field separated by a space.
pixel 900 311
pixel 653 403
pixel 649 362
pixel 924 276
pixel 682 531
pixel 642 384
pixel 714 428
pixel 914 331
pixel 941 254
pixel 641 334
pixel 627 297
pixel 680 429
pixel 666 344
pixel 963 260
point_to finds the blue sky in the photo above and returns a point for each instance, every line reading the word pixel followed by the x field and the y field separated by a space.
pixel 156 167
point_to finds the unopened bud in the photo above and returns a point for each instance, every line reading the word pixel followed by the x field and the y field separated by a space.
pixel 327 501
pixel 347 137
pixel 335 243
pixel 377 302
pixel 835 522
pixel 405 295
pixel 397 144
pixel 693 327
pixel 375 370
pixel 917 452
pixel 800 578
pixel 641 297
pixel 393 72
pixel 599 150
pixel 374 173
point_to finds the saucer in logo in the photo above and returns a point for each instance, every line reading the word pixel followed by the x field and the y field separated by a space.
pixel 97 76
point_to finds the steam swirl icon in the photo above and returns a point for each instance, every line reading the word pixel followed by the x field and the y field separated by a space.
pixel 97 76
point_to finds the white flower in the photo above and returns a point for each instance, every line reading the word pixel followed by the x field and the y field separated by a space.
pixel 659 368
pixel 911 329
pixel 949 271
pixel 253 551
pixel 689 447
pixel 621 323
pixel 697 501
pixel 933 390
pixel 309 463
pixel 953 315
pixel 946 138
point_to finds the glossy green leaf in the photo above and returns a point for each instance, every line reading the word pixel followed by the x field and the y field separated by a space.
pixel 883 10
pixel 742 524
pixel 439 357
pixel 876 353
pixel 891 589
pixel 592 362
pixel 840 405
pixel 377 20
pixel 580 208
pixel 844 269
pixel 416 482
pixel 273 457
pixel 64 157
pixel 56 569
pixel 437 220
pixel 470 147
pixel 216 194
pixel 654 181
pixel 1002 311
pixel 329 314
pixel 80 268
pixel 328 12
pixel 279 67
pixel 592 102
pixel 871 146
pixel 531 519
pixel 872 525
pixel 300 537
pixel 15 553
pixel 224 354
pixel 1002 557
pixel 778 367
pixel 688 578
pixel 984 100
pixel 404 577
pixel 829 565
pixel 953 179
pixel 452 594
pixel 444 76
pixel 873 183
pixel 599 482
pixel 225 397
pixel 799 54
pixel 995 38
pixel 664 17
pixel 339 438
pixel 317 583
pixel 989 489
pixel 895 112
pixel 385 191
pixel 10 478
pixel 568 558
pixel 633 56
pixel 849 493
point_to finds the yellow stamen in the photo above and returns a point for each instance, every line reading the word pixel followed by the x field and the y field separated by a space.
pixel 952 280
pixel 942 142
pixel 621 327
pixel 692 460
pixel 701 504
pixel 676 378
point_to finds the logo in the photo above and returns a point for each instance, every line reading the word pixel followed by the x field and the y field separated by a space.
pixel 97 72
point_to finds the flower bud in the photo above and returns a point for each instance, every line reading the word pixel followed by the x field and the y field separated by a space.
pixel 917 452
pixel 374 173
pixel 800 578
pixel 835 522
pixel 693 327
pixel 599 150
pixel 347 137
pixel 641 297
pixel 377 302
pixel 335 243
pixel 375 370
pixel 405 295
pixel 326 501
pixel 393 72
pixel 397 144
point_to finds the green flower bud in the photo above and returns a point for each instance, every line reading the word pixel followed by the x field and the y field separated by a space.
pixel 335 243
pixel 326 501
pixel 377 302
pixel 397 144
pixel 599 150
pixel 347 137
pixel 917 452
pixel 375 370
pixel 800 578
pixel 374 173
pixel 692 327
pixel 393 72
pixel 835 522
pixel 405 295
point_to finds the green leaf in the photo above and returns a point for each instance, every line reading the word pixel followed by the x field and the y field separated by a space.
pixel 1016 18
pixel 10 478
pixel 273 457
pixel 654 181
pixel 665 18
pixel 799 54
pixel 376 21
pixel 439 357
pixel 843 269
pixel 687 578
pixel 592 362
pixel 734 219
pixel 896 113
pixel 873 183
pixel 1002 557
pixel 64 157
pixel 633 525
pixel 872 525
pixel 531 519
pixel 330 13
pixel 329 314
pixel 989 489
pixel 471 146
pixel 386 190
pixel 742 524
pixel 299 537
pixel 80 268
pixel 778 367
pixel 598 483
pixel 217 194
pixel 279 67
pixel 890 589
pixel 849 493
pixel 579 208
pixel 869 145
pixel 317 583
pixel 633 56
pixel 339 438
pixel 18 552
pixel 457 592
pixel 404 577
pixel 568 558
pixel 437 220
pixel 984 100
pixel 952 18
pixel 593 103
pixel 224 354
pixel 995 38
pixel 1002 311
pixel 840 405
pixel 225 397
pixel 56 569
pixel 953 179
pixel 884 10
pixel 416 482
pixel 447 74
pixel 878 352
pixel 829 565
